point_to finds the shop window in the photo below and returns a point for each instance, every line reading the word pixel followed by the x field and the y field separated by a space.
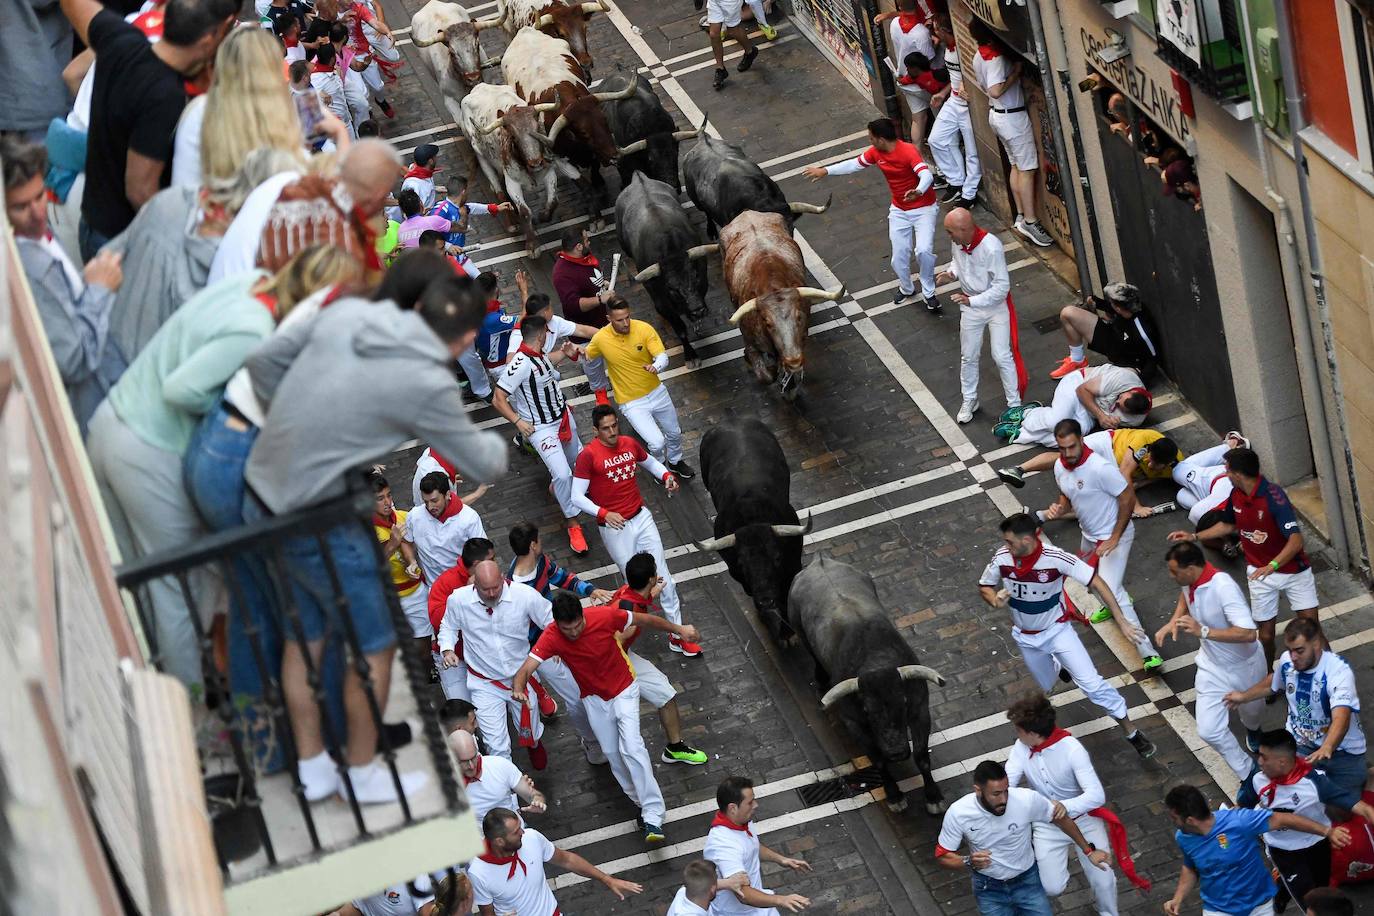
pixel 1363 39
pixel 1156 149
pixel 1203 40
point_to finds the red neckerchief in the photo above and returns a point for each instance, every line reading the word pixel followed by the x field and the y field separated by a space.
pixel 417 170
pixel 722 821
pixel 382 521
pixel 325 68
pixel 1300 769
pixel 587 260
pixel 444 463
pixel 478 765
pixel 455 505
pixel 151 22
pixel 493 305
pixel 527 349
pixel 909 21
pixel 1026 564
pixel 334 295
pixel 291 42
pixel 1149 401
pixel 270 302
pixel 1055 737
pixel 988 52
pixel 625 593
pixel 929 83
pixel 1079 463
pixel 978 234
pixel 492 858
pixel 1208 571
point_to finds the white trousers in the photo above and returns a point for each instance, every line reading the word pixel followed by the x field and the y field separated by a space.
pixel 1264 909
pixel 454 681
pixel 654 419
pixel 997 320
pixel 640 535
pixel 1214 719
pixel 1037 425
pixel 616 724
pixel 559 457
pixel 654 687
pixel 476 373
pixel 1196 473
pixel 494 705
pixel 416 607
pixel 355 93
pixel 1052 847
pixel 952 127
pixel 1112 569
pixel 1057 647
pixel 913 229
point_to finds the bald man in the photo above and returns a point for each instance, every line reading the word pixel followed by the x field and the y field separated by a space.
pixel 984 299
pixel 494 618
pixel 493 782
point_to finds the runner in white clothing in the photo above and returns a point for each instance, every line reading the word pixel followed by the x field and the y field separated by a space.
pixel 952 143
pixel 732 847
pixel 1212 607
pixel 1092 486
pixel 700 886
pixel 1203 484
pixel 509 876
pixel 1054 763
pixel 441 529
pixel 909 31
pixel 493 782
pixel 1027 577
pixel 1103 396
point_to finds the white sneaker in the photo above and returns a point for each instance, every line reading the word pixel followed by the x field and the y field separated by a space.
pixel 318 777
pixel 966 412
pixel 595 756
pixel 372 784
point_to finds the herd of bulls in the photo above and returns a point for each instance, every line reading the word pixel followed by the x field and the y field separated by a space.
pixel 546 121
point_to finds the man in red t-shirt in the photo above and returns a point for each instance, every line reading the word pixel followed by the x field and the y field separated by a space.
pixel 587 644
pixel 604 486
pixel 912 215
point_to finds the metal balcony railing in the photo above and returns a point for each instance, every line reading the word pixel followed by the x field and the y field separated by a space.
pixel 263 825
pixel 1204 41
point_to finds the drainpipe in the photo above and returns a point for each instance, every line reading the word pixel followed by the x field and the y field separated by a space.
pixel 1061 153
pixel 864 11
pixel 1297 120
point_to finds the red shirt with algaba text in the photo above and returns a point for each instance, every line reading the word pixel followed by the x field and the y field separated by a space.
pixel 611 470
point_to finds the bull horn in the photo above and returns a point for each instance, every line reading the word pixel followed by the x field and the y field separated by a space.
pixel 638 146
pixel 489 63
pixel 437 39
pixel 744 310
pixel 559 123
pixel 543 138
pixel 649 273
pixel 597 7
pixel 810 208
pixel 489 22
pixel 794 531
pixel 494 125
pixel 710 544
pixel 616 96
pixel 920 672
pixel 701 251
pixel 812 294
pixel 549 106
pixel 845 688
pixel 544 21
pixel 680 135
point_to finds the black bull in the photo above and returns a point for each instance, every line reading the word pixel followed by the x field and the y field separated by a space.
pixel 723 182
pixel 870 676
pixel 644 130
pixel 758 533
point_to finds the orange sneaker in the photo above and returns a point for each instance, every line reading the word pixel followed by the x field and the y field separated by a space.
pixel 601 396
pixel 539 758
pixel 548 706
pixel 577 540
pixel 1069 364
pixel 689 649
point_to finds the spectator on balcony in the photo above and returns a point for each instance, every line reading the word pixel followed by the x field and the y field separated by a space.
pixel 327 414
pixel 74 305
pixel 451 896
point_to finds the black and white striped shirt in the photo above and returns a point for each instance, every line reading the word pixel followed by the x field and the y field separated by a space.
pixel 532 384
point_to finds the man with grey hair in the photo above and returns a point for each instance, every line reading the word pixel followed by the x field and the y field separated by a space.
pixel 1124 334
pixel 73 305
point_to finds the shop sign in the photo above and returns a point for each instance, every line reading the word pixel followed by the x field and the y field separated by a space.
pixel 1158 100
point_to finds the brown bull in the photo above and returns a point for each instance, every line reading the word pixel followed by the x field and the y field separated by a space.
pixel 765 274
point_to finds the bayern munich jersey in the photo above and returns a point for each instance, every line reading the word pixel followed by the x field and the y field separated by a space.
pixel 1035 583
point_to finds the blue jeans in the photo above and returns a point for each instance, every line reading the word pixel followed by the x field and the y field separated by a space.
pixel 1345 769
pixel 1019 896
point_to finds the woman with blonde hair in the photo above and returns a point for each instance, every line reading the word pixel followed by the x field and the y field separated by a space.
pixel 139 434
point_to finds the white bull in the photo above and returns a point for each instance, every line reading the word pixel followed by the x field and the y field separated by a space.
pixel 507 136
pixel 445 34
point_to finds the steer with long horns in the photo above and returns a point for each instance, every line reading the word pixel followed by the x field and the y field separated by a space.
pixel 757 532
pixel 541 70
pixel 870 676
pixel 445 35
pixel 659 237
pixel 556 19
pixel 764 274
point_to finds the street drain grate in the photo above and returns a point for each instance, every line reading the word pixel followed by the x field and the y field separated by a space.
pixel 1047 325
pixel 832 790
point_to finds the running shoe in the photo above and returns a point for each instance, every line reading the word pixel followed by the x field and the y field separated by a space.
pixel 523 445
pixel 548 706
pixel 951 195
pixel 1066 365
pixel 901 298
pixel 934 306
pixel 1032 230
pixel 1017 414
pixel 940 182
pixel 1065 676
pixel 1101 615
pixel 681 753
pixel 386 108
pixel 577 540
pixel 747 60
pixel 1252 739
pixel 683 647
pixel 595 755
pixel 653 834
pixel 721 76
pixel 1153 662
pixel 682 470
pixel 1143 746
pixel 601 397
pixel 1234 435
pixel 768 32
pixel 966 412
pixel 1008 430
pixel 1012 477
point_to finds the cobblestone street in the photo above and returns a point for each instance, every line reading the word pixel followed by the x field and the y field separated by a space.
pixel 895 487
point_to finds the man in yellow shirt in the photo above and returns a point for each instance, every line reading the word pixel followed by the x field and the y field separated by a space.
pixel 390 524
pixel 1143 455
pixel 634 356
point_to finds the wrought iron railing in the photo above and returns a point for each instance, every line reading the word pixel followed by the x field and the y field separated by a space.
pixel 1204 41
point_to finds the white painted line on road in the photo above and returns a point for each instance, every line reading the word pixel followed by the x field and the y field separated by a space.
pixel 421 133
pixel 729 43
pixel 710 64
pixel 778 160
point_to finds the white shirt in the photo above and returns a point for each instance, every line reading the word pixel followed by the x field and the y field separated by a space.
pixel 424 188
pixel 331 83
pixel 955 68
pixel 186 147
pixel 1007 838
pixel 732 851
pixel 496 641
pixel 1313 694
pixel 681 906
pixel 426 464
pixel 560 329
pixel 903 43
pixel 1219 603
pixel 990 73
pixel 439 544
pixel 494 786
pixel 532 385
pixel 1062 772
pixel 1036 591
pixel 394 901
pixel 49 243
pixel 1092 488
pixel 1113 382
pixel 525 891
pixel 982 273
